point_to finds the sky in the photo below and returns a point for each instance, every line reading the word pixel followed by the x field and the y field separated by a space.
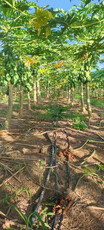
pixel 64 4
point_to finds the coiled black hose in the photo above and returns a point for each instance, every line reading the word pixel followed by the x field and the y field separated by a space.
pixel 33 217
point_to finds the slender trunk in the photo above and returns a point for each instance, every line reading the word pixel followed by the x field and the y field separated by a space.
pixel 63 92
pixel 10 106
pixel 88 99
pixel 47 89
pixel 82 99
pixel 38 88
pixel 95 93
pixel 3 91
pixel 72 95
pixel 102 92
pixel 99 93
pixel 34 91
pixel 29 103
pixel 54 90
pixel 69 95
pixel 21 100
pixel 15 93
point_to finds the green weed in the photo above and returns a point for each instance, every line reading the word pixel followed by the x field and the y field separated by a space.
pixel 58 112
pixel 4 100
pixel 77 96
pixel 102 115
pixel 17 99
pixel 33 106
pixel 22 189
pixel 2 112
pixel 19 166
pixel 97 103
pixel 38 220
pixel 44 116
pixel 25 97
pixel 87 171
pixel 31 95
pixel 75 116
pixel 80 125
pixel 16 106
pixel 100 168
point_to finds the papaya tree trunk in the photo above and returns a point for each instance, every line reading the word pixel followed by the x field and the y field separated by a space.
pixel 54 88
pixel 34 90
pixel 10 106
pixel 69 95
pixel 38 89
pixel 21 100
pixel 29 103
pixel 72 95
pixel 82 99
pixel 102 92
pixel 47 89
pixel 88 99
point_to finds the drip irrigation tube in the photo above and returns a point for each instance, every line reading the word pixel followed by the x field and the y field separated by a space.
pixel 58 218
pixel 68 168
pixel 33 217
pixel 56 175
pixel 62 201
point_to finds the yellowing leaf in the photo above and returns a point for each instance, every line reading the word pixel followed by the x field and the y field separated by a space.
pixel 58 64
pixel 29 61
pixel 41 17
pixel 2 72
pixel 43 70
pixel 48 31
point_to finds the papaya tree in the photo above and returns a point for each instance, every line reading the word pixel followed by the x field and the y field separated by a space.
pixel 97 82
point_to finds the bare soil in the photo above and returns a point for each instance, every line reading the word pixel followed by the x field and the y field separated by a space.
pixel 25 154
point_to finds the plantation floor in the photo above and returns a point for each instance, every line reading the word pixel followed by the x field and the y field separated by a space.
pixel 25 153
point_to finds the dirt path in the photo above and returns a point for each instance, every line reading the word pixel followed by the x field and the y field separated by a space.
pixel 25 154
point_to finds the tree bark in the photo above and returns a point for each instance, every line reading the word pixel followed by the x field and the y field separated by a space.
pixel 38 89
pixel 72 95
pixel 34 90
pixel 10 106
pixel 69 95
pixel 29 103
pixel 88 99
pixel 82 99
pixel 47 89
pixel 15 92
pixel 21 100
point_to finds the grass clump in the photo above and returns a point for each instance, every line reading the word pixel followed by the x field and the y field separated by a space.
pixel 97 103
pixel 77 96
pixel 33 106
pixel 76 117
pixel 43 116
pixel 52 113
pixel 80 125
pixel 16 106
pixel 57 112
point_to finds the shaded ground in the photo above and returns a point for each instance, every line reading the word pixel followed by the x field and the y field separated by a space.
pixel 25 154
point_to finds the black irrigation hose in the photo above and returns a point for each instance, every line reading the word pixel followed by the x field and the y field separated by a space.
pixel 56 174
pixel 33 217
pixel 54 220
pixel 57 220
pixel 68 172
pixel 68 168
